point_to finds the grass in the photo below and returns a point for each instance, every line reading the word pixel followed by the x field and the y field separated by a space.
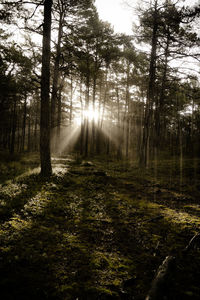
pixel 12 166
pixel 98 230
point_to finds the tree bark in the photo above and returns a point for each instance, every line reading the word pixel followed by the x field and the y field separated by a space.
pixel 144 157
pixel 160 104
pixel 56 70
pixel 45 156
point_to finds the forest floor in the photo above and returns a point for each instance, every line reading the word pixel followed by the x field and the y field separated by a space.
pixel 97 229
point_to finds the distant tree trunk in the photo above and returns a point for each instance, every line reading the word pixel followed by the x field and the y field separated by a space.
pixel 71 100
pixel 144 155
pixel 5 141
pixel 192 145
pixel 180 140
pixel 82 138
pixel 18 135
pixel 14 125
pixel 45 157
pixel 99 121
pixel 86 121
pixel 29 133
pixel 10 129
pixel 82 121
pixel 105 96
pixel 35 126
pixel 119 149
pixel 24 124
pixel 127 119
pixel 93 120
pixel 127 136
pixel 59 116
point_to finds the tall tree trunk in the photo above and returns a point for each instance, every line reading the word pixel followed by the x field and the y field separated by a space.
pixel 56 69
pixel 45 156
pixel 144 155
pixel 161 99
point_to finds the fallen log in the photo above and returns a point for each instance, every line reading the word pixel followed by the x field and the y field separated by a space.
pixel 158 288
pixel 193 242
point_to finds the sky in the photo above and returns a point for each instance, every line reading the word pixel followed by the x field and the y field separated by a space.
pixel 120 15
pixel 121 18
pixel 116 13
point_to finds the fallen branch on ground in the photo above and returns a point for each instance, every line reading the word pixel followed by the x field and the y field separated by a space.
pixel 159 285
pixel 193 242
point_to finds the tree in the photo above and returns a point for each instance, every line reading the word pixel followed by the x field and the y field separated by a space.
pixel 161 27
pixel 150 89
pixel 45 157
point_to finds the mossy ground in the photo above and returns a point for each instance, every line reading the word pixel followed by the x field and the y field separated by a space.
pixel 98 230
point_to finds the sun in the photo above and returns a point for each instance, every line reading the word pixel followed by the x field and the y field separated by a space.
pixel 90 114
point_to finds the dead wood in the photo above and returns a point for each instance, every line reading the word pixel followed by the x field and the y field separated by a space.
pixel 158 287
pixel 195 240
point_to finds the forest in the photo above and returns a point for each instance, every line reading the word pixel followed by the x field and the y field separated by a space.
pixel 99 152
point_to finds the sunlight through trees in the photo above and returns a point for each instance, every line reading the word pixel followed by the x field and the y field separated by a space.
pixel 128 96
pixel 100 150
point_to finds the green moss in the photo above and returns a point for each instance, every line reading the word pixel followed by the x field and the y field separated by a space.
pixel 95 236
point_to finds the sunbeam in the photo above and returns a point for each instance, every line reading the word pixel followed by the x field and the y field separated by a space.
pixel 111 131
pixel 68 138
